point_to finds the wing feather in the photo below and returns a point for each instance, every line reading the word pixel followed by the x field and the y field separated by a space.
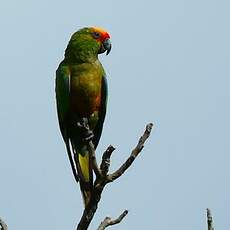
pixel 98 129
pixel 63 108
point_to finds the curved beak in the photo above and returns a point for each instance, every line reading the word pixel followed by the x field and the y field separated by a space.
pixel 105 46
pixel 108 46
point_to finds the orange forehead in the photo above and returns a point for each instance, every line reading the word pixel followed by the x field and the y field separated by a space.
pixel 104 34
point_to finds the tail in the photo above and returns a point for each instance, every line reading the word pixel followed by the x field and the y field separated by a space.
pixel 86 178
pixel 85 172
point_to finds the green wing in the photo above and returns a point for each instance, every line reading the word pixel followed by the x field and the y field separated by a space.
pixel 63 97
pixel 63 108
pixel 98 129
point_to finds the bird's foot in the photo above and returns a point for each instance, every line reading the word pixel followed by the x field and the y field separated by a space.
pixel 87 134
pixel 83 124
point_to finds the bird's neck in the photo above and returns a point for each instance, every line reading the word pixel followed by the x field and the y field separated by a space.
pixel 81 53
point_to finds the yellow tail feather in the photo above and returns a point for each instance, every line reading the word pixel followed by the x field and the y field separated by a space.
pixel 84 164
pixel 86 179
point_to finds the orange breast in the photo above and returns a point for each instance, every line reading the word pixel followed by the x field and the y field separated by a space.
pixel 85 106
pixel 86 94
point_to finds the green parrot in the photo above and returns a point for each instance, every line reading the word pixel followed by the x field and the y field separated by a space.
pixel 81 92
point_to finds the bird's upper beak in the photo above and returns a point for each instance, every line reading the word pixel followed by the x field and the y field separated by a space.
pixel 105 46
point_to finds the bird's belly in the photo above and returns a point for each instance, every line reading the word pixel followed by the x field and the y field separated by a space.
pixel 85 97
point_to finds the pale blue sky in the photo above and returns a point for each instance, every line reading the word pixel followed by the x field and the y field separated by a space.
pixel 169 65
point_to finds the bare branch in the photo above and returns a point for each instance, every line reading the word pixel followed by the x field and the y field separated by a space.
pixel 209 220
pixel 102 178
pixel 108 221
pixel 3 225
pixel 105 163
pixel 133 155
pixel 94 160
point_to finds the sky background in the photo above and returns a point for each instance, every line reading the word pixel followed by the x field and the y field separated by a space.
pixel 169 65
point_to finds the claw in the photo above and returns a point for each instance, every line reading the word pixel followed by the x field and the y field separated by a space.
pixel 88 136
pixel 86 133
pixel 80 125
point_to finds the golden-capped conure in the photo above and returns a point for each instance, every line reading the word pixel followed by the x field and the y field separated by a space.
pixel 81 92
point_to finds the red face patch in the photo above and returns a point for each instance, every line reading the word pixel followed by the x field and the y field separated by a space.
pixel 100 34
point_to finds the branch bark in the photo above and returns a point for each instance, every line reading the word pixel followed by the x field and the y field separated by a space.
pixel 209 220
pixel 133 155
pixel 108 221
pixel 3 225
pixel 103 178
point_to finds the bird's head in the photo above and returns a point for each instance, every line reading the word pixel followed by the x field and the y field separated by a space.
pixel 88 42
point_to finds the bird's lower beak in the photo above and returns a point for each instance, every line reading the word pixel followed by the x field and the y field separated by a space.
pixel 105 46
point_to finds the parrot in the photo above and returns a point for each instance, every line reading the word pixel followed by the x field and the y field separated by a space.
pixel 81 93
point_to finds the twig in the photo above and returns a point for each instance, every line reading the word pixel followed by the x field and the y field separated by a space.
pixel 209 220
pixel 102 178
pixel 3 225
pixel 94 160
pixel 133 155
pixel 105 163
pixel 108 221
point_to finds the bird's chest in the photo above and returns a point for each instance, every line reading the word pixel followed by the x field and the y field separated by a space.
pixel 86 92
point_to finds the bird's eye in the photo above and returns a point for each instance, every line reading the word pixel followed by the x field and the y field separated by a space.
pixel 96 34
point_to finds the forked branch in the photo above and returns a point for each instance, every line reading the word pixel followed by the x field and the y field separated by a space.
pixel 133 155
pixel 103 178
pixel 108 221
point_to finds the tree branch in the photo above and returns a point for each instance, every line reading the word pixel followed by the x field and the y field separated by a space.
pixel 209 220
pixel 91 149
pixel 102 177
pixel 3 225
pixel 133 155
pixel 108 221
pixel 105 163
